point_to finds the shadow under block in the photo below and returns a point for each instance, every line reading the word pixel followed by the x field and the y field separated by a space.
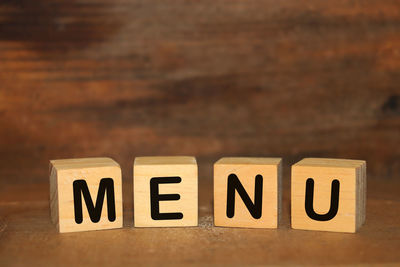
pixel 319 210
pixel 165 192
pixel 246 170
pixel 75 187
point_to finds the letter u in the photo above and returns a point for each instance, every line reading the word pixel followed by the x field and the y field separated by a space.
pixel 309 202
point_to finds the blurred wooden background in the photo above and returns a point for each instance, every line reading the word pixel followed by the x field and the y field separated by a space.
pixel 122 78
pixel 126 78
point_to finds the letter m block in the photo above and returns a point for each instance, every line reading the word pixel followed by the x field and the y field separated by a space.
pixel 85 194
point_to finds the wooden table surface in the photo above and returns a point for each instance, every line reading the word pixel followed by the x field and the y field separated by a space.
pixel 28 237
pixel 212 78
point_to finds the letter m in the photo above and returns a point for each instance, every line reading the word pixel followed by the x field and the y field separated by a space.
pixel 81 188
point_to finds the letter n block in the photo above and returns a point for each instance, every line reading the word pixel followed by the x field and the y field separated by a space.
pixel 247 192
pixel 85 194
pixel 165 191
pixel 328 194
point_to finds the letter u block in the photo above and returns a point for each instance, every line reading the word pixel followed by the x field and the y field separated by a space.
pixel 247 192
pixel 85 194
pixel 165 192
pixel 328 194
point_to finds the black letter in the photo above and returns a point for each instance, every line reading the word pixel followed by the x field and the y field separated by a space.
pixel 310 198
pixel 155 198
pixel 106 184
pixel 234 184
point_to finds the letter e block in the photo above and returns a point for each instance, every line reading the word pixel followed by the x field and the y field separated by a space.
pixel 165 191
pixel 247 192
pixel 85 194
pixel 328 194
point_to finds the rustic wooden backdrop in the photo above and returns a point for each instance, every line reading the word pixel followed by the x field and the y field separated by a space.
pixel 211 78
pixel 205 78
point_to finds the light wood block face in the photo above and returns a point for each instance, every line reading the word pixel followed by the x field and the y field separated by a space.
pixel 262 173
pixel 74 188
pixel 324 180
pixel 165 192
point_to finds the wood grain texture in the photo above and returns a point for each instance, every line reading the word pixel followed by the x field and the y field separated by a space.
pixel 124 78
pixel 246 170
pixel 183 168
pixel 127 78
pixel 64 172
pixel 350 174
pixel 24 217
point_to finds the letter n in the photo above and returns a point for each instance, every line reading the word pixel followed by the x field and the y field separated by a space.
pixel 255 208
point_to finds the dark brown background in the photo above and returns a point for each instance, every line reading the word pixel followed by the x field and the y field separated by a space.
pixel 204 78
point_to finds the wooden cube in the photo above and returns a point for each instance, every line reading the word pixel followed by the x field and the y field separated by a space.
pixel 247 192
pixel 85 194
pixel 328 194
pixel 165 191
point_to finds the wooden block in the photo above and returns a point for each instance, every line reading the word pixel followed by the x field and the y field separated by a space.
pixel 165 191
pixel 85 194
pixel 328 194
pixel 247 192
